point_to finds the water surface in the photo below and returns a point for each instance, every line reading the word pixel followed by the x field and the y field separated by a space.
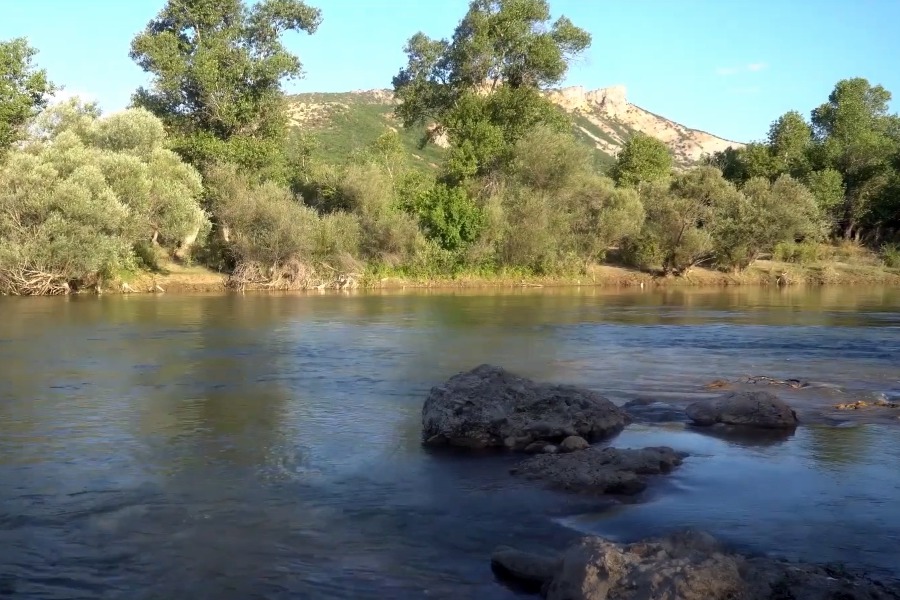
pixel 268 446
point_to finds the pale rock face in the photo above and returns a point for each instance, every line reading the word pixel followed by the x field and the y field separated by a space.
pixel 611 101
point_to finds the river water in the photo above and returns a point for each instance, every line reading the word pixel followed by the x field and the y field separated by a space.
pixel 268 446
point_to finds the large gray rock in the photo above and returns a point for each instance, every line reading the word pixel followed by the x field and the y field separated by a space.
pixel 600 470
pixel 491 407
pixel 749 409
pixel 686 565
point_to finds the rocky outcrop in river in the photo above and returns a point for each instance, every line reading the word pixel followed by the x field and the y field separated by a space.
pixel 491 407
pixel 600 470
pixel 687 565
pixel 749 409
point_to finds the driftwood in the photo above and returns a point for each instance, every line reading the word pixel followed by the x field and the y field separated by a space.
pixel 24 281
pixel 294 275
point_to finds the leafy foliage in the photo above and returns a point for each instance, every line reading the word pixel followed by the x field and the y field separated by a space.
pixel 24 90
pixel 217 66
pixel 75 203
pixel 764 214
pixel 642 158
pixel 847 156
pixel 481 87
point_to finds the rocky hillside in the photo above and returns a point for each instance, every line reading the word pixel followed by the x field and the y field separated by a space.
pixel 607 119
pixel 344 122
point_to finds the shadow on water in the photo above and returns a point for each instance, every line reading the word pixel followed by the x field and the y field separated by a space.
pixel 269 445
pixel 744 437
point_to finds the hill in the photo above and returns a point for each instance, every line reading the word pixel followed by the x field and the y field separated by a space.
pixel 603 118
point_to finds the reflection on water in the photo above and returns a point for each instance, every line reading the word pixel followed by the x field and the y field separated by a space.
pixel 268 446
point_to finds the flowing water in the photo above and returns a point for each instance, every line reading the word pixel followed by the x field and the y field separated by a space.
pixel 268 446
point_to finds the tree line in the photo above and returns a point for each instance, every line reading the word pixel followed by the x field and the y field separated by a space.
pixel 204 167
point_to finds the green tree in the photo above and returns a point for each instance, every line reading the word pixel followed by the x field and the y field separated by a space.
pixel 856 136
pixel 642 158
pixel 24 90
pixel 741 164
pixel 681 216
pixel 789 141
pixel 482 86
pixel 763 214
pixel 217 69
pixel 827 187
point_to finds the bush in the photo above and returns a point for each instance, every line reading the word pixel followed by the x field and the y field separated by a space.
pixel 643 252
pixel 83 193
pixel 679 214
pixel 762 215
pixel 601 216
pixel 890 255
pixel 800 253
pixel 449 216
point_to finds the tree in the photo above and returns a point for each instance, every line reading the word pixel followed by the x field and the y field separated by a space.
pixel 681 216
pixel 642 158
pixel 789 140
pixel 482 86
pixel 75 201
pixel 24 90
pixel 827 187
pixel 763 214
pixel 856 136
pixel 217 69
pixel 741 164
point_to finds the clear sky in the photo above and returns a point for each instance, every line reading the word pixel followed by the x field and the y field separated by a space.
pixel 729 67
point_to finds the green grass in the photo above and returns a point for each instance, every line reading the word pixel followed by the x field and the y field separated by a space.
pixel 344 131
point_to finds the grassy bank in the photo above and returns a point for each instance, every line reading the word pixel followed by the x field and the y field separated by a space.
pixel 175 278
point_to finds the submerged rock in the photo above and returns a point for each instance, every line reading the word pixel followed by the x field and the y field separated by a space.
pixel 491 407
pixel 646 410
pixel 531 570
pixel 686 565
pixel 750 409
pixel 600 470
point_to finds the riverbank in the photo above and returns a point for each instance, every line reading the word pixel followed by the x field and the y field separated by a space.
pixel 176 278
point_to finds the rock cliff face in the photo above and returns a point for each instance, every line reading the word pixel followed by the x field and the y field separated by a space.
pixel 604 118
pixel 609 111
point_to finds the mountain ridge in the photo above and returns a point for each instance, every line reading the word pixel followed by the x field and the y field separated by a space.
pixel 603 118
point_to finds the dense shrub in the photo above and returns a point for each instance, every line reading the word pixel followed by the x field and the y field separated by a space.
pixel 78 197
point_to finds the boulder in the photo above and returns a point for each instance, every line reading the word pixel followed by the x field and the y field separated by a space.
pixel 750 409
pixel 685 565
pixel 491 407
pixel 574 443
pixel 600 470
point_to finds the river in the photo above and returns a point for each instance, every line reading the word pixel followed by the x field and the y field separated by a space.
pixel 267 446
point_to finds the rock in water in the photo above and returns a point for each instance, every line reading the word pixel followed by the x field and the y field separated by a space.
pixel 646 410
pixel 686 565
pixel 491 407
pixel 751 409
pixel 601 470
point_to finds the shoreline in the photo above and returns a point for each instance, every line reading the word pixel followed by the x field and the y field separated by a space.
pixel 178 279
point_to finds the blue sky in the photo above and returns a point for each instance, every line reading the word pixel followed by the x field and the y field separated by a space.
pixel 729 67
